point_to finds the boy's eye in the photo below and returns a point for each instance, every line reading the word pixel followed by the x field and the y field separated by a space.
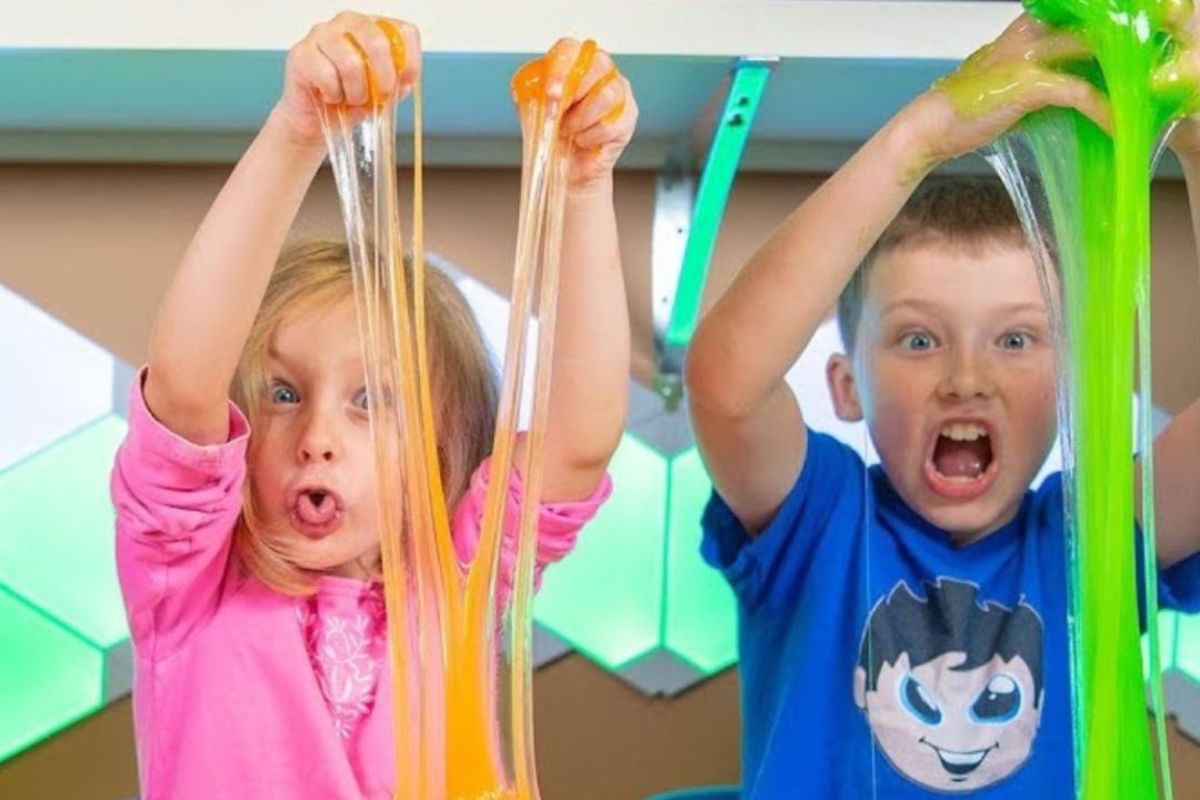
pixel 1016 340
pixel 282 393
pixel 918 341
pixel 918 702
pixel 1000 701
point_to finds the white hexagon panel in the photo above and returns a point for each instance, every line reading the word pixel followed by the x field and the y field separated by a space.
pixel 62 625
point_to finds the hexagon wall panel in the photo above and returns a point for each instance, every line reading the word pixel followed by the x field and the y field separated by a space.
pixel 62 626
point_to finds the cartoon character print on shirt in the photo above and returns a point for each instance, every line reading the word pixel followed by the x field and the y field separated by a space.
pixel 951 688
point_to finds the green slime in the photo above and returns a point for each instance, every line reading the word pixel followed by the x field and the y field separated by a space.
pixel 1096 194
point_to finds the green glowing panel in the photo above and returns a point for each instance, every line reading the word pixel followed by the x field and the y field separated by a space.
pixel 701 616
pixel 605 599
pixel 48 677
pixel 1187 645
pixel 56 520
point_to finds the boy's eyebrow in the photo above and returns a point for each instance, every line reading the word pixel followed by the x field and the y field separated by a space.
pixel 918 304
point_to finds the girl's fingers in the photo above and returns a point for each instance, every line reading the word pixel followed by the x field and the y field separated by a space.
pixel 374 46
pixel 348 59
pixel 557 63
pixel 612 130
pixel 315 73
pixel 405 43
pixel 604 102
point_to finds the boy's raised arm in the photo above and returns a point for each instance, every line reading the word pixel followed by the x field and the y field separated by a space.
pixel 747 422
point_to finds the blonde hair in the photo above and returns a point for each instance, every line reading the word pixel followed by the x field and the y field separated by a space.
pixel 463 380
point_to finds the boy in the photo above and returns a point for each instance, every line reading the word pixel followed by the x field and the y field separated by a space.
pixel 903 628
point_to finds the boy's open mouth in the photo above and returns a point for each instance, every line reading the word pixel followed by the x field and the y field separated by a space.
pixel 961 464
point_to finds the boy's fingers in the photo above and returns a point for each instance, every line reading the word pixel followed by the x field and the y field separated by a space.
pixel 1178 80
pixel 1066 91
pixel 1023 31
pixel 1175 17
pixel 1059 47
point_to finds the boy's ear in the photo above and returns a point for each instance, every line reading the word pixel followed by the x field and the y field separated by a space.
pixel 839 373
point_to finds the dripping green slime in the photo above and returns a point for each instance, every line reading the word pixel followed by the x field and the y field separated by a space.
pixel 1097 192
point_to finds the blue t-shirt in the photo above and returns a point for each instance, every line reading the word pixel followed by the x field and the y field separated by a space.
pixel 962 673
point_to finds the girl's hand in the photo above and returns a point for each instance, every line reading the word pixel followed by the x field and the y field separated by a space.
pixel 352 60
pixel 601 118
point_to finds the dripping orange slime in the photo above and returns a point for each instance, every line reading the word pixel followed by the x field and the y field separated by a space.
pixel 462 731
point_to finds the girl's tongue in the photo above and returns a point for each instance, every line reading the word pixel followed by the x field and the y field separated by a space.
pixel 962 459
pixel 316 508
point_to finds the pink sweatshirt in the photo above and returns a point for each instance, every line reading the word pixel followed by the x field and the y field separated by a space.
pixel 241 692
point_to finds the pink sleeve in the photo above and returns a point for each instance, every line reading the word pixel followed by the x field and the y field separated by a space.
pixel 176 505
pixel 558 524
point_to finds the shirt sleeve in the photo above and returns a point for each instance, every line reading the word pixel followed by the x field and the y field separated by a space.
pixel 1178 584
pixel 176 505
pixel 558 524
pixel 764 570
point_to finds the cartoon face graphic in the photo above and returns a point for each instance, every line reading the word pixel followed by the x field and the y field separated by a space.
pixel 953 702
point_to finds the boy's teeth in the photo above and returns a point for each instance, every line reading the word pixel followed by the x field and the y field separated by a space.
pixel 964 432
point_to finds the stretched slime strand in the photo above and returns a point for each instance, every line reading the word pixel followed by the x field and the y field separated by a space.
pixel 453 741
pixel 538 244
pixel 1100 212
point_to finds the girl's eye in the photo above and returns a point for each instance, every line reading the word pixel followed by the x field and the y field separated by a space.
pixel 282 393
pixel 918 341
pixel 361 400
pixel 1016 340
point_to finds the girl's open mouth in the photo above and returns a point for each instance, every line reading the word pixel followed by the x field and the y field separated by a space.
pixel 316 512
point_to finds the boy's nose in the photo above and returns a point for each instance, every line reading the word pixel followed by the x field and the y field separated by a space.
pixel 967 375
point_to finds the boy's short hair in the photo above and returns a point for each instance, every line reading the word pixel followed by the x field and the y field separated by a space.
pixel 959 211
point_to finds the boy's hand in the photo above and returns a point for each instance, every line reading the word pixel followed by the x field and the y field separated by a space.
pixel 602 116
pixel 994 88
pixel 1179 79
pixel 353 60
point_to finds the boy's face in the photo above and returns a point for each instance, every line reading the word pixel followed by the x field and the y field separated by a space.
pixel 955 377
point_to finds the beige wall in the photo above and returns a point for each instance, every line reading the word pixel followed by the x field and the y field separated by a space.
pixel 97 245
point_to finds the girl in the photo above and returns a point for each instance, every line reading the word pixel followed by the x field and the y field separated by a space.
pixel 246 539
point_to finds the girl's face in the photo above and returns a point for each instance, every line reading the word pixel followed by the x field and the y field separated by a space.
pixel 311 462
